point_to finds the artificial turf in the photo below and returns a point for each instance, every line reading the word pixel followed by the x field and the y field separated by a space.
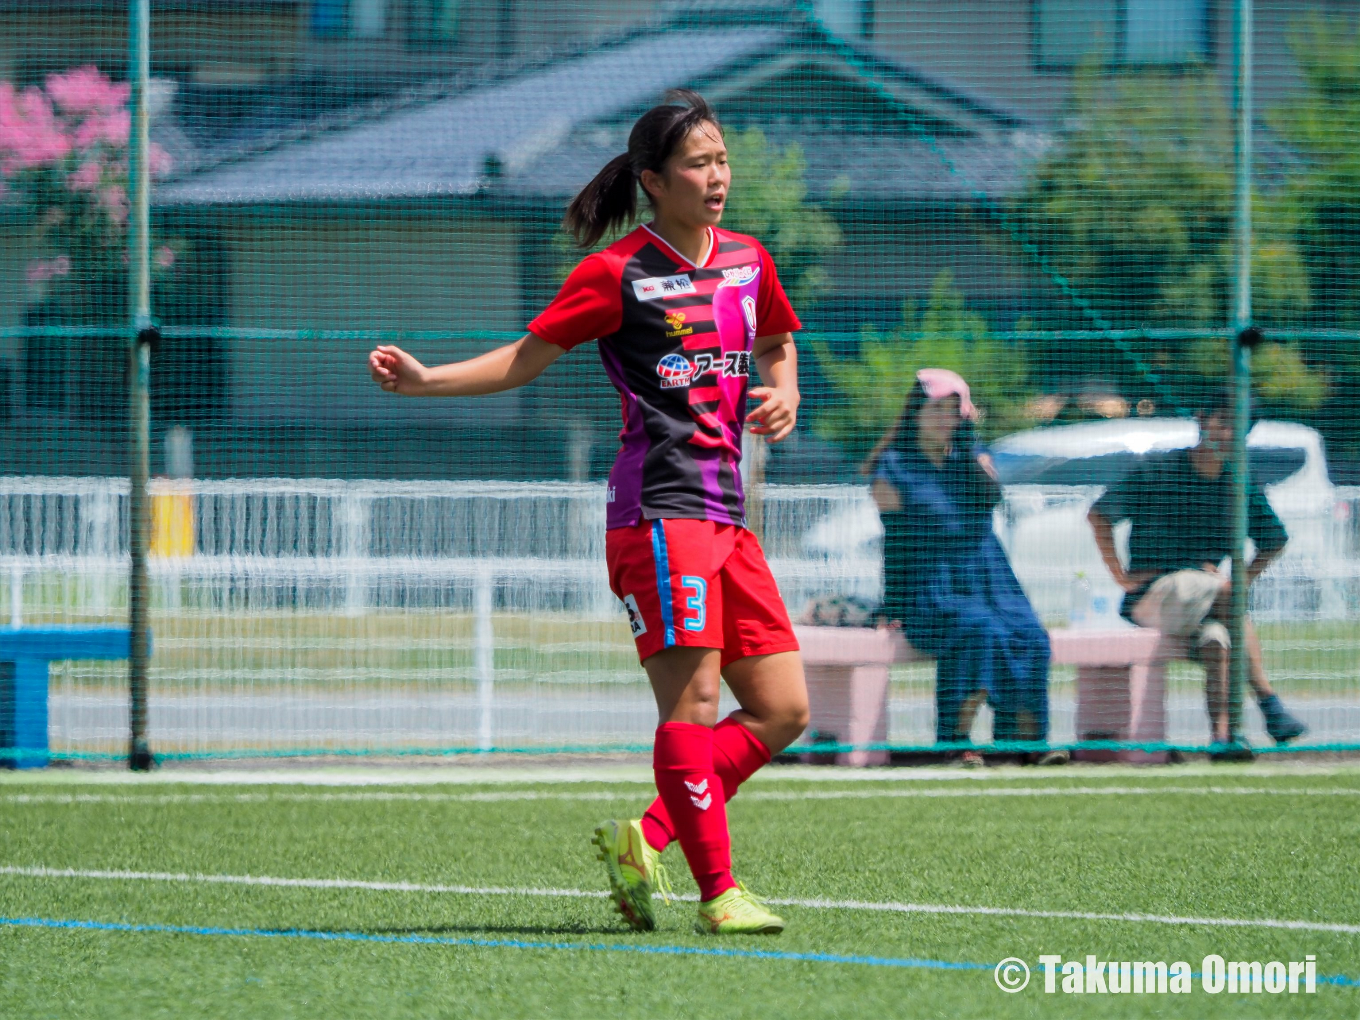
pixel 1204 854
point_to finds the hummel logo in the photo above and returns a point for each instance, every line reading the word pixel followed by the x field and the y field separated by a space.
pixel 702 805
pixel 700 788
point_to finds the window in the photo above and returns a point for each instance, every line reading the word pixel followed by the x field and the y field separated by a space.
pixel 1166 31
pixel 368 19
pixel 328 18
pixel 1159 32
pixel 433 22
pixel 358 19
pixel 847 18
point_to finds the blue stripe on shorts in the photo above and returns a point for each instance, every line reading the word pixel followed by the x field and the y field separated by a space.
pixel 663 580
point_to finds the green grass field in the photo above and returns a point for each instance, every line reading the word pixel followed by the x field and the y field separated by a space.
pixel 1250 844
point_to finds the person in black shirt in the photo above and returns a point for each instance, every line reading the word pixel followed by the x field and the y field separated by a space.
pixel 1180 509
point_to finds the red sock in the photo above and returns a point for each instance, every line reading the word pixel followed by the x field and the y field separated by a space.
pixel 737 754
pixel 683 762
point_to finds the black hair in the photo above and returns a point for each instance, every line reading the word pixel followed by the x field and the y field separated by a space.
pixel 901 435
pixel 979 487
pixel 1217 401
pixel 610 199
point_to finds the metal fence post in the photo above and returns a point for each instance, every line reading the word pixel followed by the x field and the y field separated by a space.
pixel 484 657
pixel 142 336
pixel 1242 335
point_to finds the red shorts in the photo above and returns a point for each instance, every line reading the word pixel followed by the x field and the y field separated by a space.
pixel 697 584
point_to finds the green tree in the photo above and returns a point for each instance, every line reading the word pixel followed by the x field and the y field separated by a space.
pixel 769 201
pixel 1321 124
pixel 870 387
pixel 1135 208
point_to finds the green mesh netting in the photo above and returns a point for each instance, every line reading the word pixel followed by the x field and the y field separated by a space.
pixel 1036 195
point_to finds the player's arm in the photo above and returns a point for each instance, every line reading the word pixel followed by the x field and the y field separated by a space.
pixel 1103 529
pixel 777 362
pixel 1258 565
pixel 502 369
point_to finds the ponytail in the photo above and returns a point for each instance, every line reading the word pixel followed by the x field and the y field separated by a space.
pixel 605 204
pixel 610 200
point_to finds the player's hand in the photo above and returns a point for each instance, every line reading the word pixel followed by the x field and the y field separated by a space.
pixel 776 415
pixel 1132 582
pixel 396 371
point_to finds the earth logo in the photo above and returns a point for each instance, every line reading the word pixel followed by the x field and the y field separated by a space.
pixel 675 371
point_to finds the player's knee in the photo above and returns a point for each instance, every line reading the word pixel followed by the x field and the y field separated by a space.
pixel 700 701
pixel 1211 654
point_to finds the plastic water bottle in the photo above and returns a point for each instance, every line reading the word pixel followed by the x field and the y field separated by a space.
pixel 1079 609
pixel 1100 610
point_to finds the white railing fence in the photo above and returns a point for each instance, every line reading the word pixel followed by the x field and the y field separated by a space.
pixel 361 551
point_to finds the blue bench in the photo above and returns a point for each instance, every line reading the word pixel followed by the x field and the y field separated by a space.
pixel 23 692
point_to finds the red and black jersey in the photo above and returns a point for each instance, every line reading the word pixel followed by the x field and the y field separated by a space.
pixel 676 341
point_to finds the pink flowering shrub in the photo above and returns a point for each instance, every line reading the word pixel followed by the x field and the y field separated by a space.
pixel 42 270
pixel 64 154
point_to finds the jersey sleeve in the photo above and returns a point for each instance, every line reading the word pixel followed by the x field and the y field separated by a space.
pixel 588 306
pixel 1264 526
pixel 1122 500
pixel 774 314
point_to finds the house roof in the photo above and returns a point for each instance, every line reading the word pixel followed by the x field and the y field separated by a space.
pixel 882 132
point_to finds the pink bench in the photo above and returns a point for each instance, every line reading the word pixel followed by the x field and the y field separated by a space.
pixel 1121 686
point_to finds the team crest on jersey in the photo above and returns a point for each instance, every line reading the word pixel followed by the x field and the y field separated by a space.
pixel 634 616
pixel 676 321
pixel 748 308
pixel 675 371
pixel 657 288
pixel 738 275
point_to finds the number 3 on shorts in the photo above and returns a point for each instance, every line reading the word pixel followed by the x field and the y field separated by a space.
pixel 698 602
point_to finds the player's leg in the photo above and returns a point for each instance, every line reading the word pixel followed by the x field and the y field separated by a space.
pixel 774 702
pixel 774 712
pixel 762 668
pixel 1214 655
pixel 632 865
pixel 773 696
pixel 665 572
pixel 685 681
pixel 1280 723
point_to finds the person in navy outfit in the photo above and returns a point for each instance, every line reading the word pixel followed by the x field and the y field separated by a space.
pixel 947 582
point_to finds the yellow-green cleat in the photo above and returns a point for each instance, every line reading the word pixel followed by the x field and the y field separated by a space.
pixel 737 912
pixel 635 871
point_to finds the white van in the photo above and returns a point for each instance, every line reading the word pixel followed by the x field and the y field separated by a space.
pixel 1053 475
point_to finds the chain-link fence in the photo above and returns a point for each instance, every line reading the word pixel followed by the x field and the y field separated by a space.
pixel 1036 194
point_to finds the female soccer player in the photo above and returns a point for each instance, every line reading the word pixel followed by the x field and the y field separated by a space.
pixel 681 310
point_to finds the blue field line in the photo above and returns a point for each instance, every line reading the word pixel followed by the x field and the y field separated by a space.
pixel 911 963
pixel 435 940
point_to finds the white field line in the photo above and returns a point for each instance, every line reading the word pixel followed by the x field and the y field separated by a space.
pixel 498 796
pixel 464 774
pixel 811 904
pixel 469 774
pixel 296 883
